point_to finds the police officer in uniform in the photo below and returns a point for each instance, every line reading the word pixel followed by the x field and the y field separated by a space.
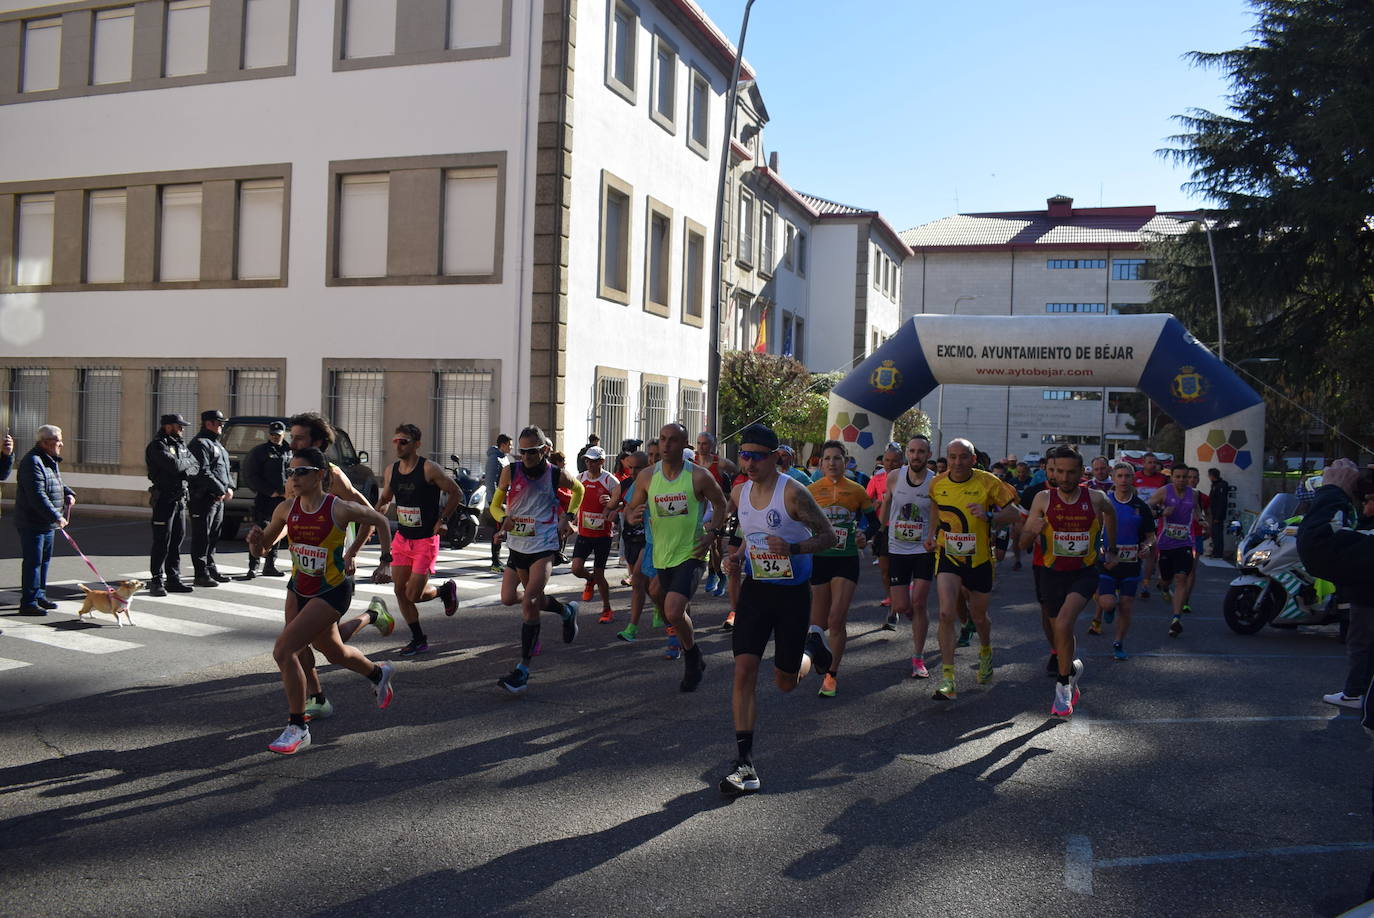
pixel 170 465
pixel 264 470
pixel 211 486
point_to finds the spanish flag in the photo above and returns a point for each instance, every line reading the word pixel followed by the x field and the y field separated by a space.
pixel 761 342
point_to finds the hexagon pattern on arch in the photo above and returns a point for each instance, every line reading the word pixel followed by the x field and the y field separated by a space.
pixel 853 428
pixel 1222 446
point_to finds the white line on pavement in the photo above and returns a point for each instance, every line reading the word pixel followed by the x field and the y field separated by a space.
pixel 79 641
pixel 159 623
pixel 1078 865
pixel 1079 724
pixel 1238 719
pixel 11 664
pixel 222 608
pixel 1244 656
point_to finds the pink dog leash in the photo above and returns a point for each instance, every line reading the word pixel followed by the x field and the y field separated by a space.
pixel 108 589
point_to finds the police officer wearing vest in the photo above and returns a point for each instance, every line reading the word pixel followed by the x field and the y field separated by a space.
pixel 170 466
pixel 211 486
pixel 264 470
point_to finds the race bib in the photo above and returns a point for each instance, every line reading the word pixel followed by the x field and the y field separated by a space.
pixel 910 530
pixel 1072 544
pixel 1128 552
pixel 1179 532
pixel 670 504
pixel 843 533
pixel 408 516
pixel 309 559
pixel 522 526
pixel 595 521
pixel 766 564
pixel 961 544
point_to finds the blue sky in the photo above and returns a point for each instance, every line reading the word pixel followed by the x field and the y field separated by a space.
pixel 921 109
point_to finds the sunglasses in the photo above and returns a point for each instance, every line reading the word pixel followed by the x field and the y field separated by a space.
pixel 301 471
pixel 401 441
pixel 531 450
pixel 754 455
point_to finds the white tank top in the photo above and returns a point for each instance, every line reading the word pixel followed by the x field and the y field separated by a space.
pixel 909 515
pixel 532 507
pixel 755 526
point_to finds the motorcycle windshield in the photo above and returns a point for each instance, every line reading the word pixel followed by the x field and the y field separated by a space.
pixel 1273 518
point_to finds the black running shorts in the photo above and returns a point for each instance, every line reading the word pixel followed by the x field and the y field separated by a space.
pixel 769 610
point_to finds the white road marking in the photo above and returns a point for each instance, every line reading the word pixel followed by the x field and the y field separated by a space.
pixel 1079 724
pixel 196 603
pixel 152 622
pixel 11 664
pixel 1078 865
pixel 79 641
pixel 1290 718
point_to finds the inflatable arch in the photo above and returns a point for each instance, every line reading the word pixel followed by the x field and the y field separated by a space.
pixel 1223 417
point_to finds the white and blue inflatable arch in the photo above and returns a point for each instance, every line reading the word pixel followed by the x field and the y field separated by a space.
pixel 1223 417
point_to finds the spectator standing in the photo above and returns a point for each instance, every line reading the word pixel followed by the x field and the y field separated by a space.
pixel 1220 497
pixel 498 457
pixel 41 506
pixel 264 469
pixel 170 467
pixel 592 440
pixel 210 487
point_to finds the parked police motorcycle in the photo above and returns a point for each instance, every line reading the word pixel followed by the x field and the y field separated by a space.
pixel 462 526
pixel 1273 587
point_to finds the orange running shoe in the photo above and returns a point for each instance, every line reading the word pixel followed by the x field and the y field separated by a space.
pixel 607 616
pixel 587 592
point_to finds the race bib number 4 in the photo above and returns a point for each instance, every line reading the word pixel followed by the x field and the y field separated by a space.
pixel 1128 553
pixel 1072 544
pixel 961 544
pixel 595 521
pixel 522 526
pixel 309 559
pixel 1179 532
pixel 408 516
pixel 670 504
pixel 766 564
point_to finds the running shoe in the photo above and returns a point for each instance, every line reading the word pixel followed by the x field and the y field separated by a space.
pixel 945 690
pixel 1187 609
pixel 318 710
pixel 1074 677
pixel 722 586
pixel 659 620
pixel 448 593
pixel 497 568
pixel 691 674
pixel 984 665
pixel 1052 665
pixel 1063 700
pixel 293 739
pixel 711 580
pixel 1110 615
pixel 383 690
pixel 569 622
pixel 1342 700
pixel 382 620
pixel 729 623
pixel 1175 627
pixel 965 632
pixel 818 651
pixel 886 603
pixel 673 649
pixel 742 779
pixel 918 668
pixel 827 686
pixel 629 634
pixel 607 616
pixel 516 682
pixel 1118 652
pixel 587 592
pixel 1095 626
pixel 415 647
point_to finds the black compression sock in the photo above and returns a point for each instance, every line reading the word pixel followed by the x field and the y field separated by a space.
pixel 529 634
pixel 553 605
pixel 744 742
pixel 693 652
pixel 495 552
pixel 297 719
pixel 416 633
pixel 318 698
pixel 1063 680
pixel 375 677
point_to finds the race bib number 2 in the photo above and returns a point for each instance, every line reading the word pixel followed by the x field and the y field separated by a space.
pixel 1071 544
pixel 766 564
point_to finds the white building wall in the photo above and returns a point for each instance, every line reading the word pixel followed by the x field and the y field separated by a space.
pixel 830 335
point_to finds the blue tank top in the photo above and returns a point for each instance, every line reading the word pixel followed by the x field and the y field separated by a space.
pixel 1133 520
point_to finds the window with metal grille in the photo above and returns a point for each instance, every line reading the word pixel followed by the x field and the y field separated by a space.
pixel 355 404
pixel 252 392
pixel 611 408
pixel 689 410
pixel 26 405
pixel 653 409
pixel 462 417
pixel 176 391
pixel 97 426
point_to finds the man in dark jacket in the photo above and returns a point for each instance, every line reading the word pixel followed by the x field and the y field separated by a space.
pixel 41 506
pixel 211 486
pixel 1218 506
pixel 264 470
pixel 170 466
pixel 498 457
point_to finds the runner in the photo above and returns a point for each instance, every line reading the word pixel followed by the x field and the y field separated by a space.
pixel 877 487
pixel 595 530
pixel 907 517
pixel 414 483
pixel 1200 528
pixel 722 470
pixel 676 492
pixel 1177 508
pixel 835 570
pixel 969 502
pixel 526 506
pixel 1147 481
pixel 1067 523
pixel 632 541
pixel 319 590
pixel 782 526
pixel 732 542
pixel 1101 479
pixel 1135 536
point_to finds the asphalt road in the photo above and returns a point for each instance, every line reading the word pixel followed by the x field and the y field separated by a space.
pixel 1202 777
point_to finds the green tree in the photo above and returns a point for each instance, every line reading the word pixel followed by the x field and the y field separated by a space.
pixel 776 390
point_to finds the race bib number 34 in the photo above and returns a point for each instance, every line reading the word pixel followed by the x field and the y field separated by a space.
pixel 766 564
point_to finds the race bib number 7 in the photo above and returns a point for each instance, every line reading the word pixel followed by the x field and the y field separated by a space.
pixel 593 521
pixel 766 564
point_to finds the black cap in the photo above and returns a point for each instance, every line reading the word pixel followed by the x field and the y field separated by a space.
pixel 761 434
pixel 276 427
pixel 213 414
pixel 172 419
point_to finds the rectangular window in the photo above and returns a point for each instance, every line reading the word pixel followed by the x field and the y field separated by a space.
pixel 798 344
pixel 611 408
pixel 1130 269
pixel 615 239
pixel 766 263
pixel 27 404
pixel 620 50
pixel 364 201
pixel 33 264
pixel 188 38
pixel 175 392
pixel 462 417
pixel 745 253
pixel 179 233
pixel 801 253
pixel 470 199
pixel 787 335
pixel 664 91
pixel 699 114
pixel 97 425
pixel 369 28
pixel 253 392
pixel 105 219
pixel 474 24
pixel 691 412
pixel 789 243
pixel 1054 263
pixel 694 273
pixel 355 404
pixel 259 229
pixel 266 34
pixel 877 270
pixel 42 54
pixel 112 46
pixel 1096 308
pixel 658 258
pixel 653 409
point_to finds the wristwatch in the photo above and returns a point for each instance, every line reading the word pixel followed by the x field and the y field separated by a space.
pixel 386 557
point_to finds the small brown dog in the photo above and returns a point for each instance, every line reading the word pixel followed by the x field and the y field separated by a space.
pixel 111 603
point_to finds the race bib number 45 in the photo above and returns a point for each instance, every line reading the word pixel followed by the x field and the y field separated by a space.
pixel 962 544
pixel 766 564
pixel 670 504
pixel 1071 544
pixel 309 559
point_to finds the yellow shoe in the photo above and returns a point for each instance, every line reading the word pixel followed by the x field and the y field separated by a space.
pixel 1095 627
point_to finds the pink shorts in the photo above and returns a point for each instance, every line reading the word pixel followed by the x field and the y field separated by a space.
pixel 420 555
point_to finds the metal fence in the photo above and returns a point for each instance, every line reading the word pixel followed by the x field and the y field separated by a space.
pixel 355 404
pixel 98 392
pixel 653 411
pixel 26 405
pixel 690 410
pixel 611 410
pixel 176 391
pixel 462 417
pixel 253 392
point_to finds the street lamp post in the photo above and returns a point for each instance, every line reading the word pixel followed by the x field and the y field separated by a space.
pixel 731 97
pixel 940 417
pixel 1216 283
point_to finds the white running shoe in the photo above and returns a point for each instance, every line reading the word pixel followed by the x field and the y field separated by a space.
pixel 1074 677
pixel 1063 700
pixel 293 739
pixel 383 689
pixel 1342 700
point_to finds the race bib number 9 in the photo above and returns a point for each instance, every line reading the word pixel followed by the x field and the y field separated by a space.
pixel 1179 532
pixel 766 564
pixel 670 504
pixel 593 521
pixel 408 516
pixel 309 559
pixel 1071 544
pixel 1128 553
pixel 522 526
pixel 961 544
